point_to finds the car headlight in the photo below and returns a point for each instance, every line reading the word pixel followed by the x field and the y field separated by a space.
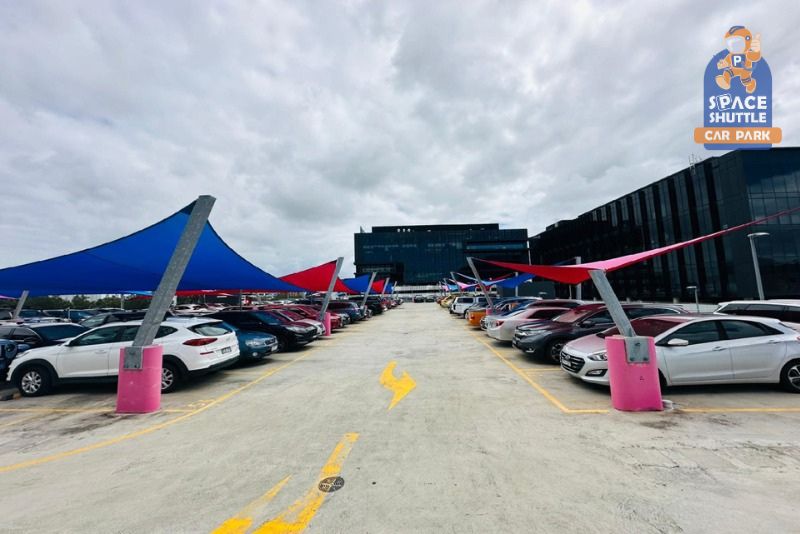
pixel 255 342
pixel 297 329
pixel 598 357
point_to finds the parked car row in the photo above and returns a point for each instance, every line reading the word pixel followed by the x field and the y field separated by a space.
pixel 39 356
pixel 741 342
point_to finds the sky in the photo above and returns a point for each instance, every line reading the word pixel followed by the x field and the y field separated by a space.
pixel 309 119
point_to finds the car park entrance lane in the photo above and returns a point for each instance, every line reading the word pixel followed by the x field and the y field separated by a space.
pixel 471 448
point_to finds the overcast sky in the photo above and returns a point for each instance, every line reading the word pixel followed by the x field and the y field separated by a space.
pixel 309 119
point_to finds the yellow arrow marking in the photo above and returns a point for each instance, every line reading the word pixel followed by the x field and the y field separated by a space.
pixel 297 517
pixel 400 387
pixel 239 523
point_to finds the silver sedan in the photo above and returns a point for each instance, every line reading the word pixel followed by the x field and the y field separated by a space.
pixel 701 350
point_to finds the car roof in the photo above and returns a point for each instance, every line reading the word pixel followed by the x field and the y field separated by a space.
pixel 777 302
pixel 182 321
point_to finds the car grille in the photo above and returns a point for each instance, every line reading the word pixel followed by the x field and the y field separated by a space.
pixel 572 363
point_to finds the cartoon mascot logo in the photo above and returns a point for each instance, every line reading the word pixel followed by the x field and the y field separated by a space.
pixel 744 52
pixel 737 104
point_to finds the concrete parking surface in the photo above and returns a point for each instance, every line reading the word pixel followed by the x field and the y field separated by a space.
pixel 478 439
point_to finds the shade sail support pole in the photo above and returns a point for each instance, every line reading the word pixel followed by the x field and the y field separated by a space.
pixel 369 289
pixel 578 291
pixel 327 300
pixel 385 283
pixel 20 304
pixel 162 297
pixel 612 302
pixel 480 282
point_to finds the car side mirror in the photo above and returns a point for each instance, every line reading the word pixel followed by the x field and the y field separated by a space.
pixel 677 342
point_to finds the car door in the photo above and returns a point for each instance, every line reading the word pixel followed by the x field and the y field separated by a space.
pixel 704 359
pixel 756 349
pixel 87 356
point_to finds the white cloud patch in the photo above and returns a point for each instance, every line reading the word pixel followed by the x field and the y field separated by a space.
pixel 308 119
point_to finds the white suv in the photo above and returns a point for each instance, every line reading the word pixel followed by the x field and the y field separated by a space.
pixel 191 346
pixel 460 304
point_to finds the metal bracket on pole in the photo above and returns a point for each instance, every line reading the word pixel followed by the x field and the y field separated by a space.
pixel 480 282
pixel 162 297
pixel 369 288
pixel 20 303
pixel 327 298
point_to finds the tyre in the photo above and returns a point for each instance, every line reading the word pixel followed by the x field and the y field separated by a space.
pixel 553 350
pixel 170 377
pixel 790 376
pixel 283 344
pixel 34 381
pixel 662 382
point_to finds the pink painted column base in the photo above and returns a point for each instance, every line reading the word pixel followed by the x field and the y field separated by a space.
pixel 634 386
pixel 139 390
pixel 327 323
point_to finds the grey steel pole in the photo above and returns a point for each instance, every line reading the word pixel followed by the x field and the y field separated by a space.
pixel 369 288
pixel 516 288
pixel 162 297
pixel 578 292
pixel 20 303
pixel 480 282
pixel 332 284
pixel 122 300
pixel 612 303
pixel 385 283
pixel 756 268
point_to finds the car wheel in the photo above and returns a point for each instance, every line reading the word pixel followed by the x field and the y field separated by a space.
pixel 170 377
pixel 662 381
pixel 790 376
pixel 34 381
pixel 283 344
pixel 554 349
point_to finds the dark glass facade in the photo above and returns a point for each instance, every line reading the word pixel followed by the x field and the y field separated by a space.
pixel 426 254
pixel 717 193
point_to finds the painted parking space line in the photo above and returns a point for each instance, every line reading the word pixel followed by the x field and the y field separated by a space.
pixel 19 420
pixel 82 410
pixel 241 522
pixel 400 387
pixel 153 428
pixel 538 387
pixel 299 514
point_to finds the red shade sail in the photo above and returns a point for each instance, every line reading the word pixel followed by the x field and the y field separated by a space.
pixel 575 274
pixel 317 278
pixel 377 287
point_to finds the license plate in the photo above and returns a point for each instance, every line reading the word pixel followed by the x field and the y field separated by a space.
pixel 226 350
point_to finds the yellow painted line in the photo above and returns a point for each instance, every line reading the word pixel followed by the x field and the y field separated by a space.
pixel 399 386
pixel 239 523
pixel 534 371
pixel 546 394
pixel 150 429
pixel 297 516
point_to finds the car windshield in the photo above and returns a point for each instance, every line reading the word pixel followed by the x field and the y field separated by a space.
pixel 650 327
pixel 572 316
pixel 269 318
pixel 61 331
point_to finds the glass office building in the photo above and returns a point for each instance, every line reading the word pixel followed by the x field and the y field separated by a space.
pixel 427 254
pixel 717 193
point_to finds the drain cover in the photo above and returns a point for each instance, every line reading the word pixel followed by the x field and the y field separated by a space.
pixel 331 484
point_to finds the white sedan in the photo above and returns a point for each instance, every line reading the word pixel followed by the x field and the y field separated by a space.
pixel 191 346
pixel 501 327
pixel 693 349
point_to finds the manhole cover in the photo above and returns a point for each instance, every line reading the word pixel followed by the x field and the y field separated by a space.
pixel 331 484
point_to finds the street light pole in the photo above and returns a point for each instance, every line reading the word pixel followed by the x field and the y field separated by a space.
pixel 696 298
pixel 752 237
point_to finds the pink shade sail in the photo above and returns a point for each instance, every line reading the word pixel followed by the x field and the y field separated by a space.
pixel 317 279
pixel 575 274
